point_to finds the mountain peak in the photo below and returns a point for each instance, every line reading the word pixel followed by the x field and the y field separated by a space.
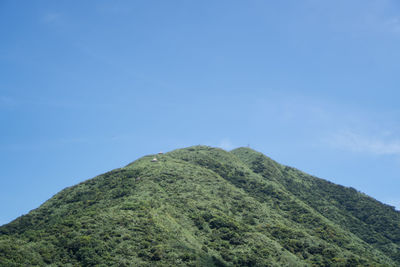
pixel 205 206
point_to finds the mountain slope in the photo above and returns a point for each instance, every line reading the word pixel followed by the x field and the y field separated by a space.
pixel 202 206
pixel 370 220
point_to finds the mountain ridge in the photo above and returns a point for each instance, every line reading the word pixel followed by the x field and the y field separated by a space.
pixel 204 206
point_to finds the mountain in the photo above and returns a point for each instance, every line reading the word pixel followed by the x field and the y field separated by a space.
pixel 203 206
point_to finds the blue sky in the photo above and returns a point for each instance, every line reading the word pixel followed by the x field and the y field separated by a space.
pixel 88 87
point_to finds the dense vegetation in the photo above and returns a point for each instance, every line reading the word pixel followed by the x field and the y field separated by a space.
pixel 203 206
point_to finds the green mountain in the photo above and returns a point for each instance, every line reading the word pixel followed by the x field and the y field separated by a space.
pixel 203 206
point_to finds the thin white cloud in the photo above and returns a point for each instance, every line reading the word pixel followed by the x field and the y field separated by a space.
pixel 351 141
pixel 226 144
pixel 6 101
pixel 393 202
pixel 381 17
pixel 392 24
pixel 50 17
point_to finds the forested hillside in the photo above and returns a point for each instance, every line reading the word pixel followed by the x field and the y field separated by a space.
pixel 203 206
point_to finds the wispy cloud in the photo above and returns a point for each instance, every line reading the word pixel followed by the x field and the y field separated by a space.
pixel 378 145
pixel 380 16
pixel 392 24
pixel 226 144
pixel 394 202
pixel 51 17
pixel 373 16
pixel 6 101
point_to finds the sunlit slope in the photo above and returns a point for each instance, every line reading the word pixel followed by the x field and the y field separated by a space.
pixel 198 206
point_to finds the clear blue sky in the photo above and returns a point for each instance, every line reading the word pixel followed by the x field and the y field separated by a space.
pixel 89 86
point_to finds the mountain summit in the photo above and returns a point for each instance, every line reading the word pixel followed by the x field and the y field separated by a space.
pixel 204 206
